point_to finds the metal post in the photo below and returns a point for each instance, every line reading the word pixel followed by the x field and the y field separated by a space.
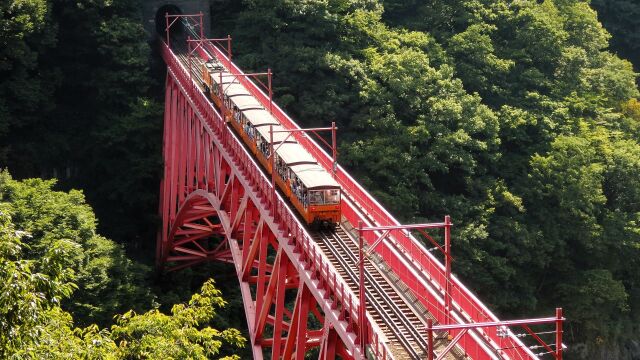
pixel 273 170
pixel 559 333
pixel 429 339
pixel 363 302
pixel 229 46
pixel 221 97
pixel 270 92
pixel 189 57
pixel 201 25
pixel 166 28
pixel 447 262
pixel 333 148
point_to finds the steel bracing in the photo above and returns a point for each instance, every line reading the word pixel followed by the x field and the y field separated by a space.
pixel 217 204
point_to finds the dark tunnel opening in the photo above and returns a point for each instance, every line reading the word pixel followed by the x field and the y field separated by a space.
pixel 161 21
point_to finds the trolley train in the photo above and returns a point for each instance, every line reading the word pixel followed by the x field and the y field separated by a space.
pixel 310 188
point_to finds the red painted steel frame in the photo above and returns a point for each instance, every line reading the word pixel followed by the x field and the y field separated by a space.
pixel 216 41
pixel 216 205
pixel 556 351
pixel 385 233
pixel 407 257
pixel 169 23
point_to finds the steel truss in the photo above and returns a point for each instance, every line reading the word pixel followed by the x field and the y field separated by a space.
pixel 217 205
pixel 554 350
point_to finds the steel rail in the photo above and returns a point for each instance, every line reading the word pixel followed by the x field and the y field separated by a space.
pixel 376 303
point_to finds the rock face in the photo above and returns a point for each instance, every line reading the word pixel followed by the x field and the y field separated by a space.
pixel 153 13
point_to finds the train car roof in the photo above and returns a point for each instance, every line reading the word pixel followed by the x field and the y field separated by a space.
pixel 277 137
pixel 315 177
pixel 294 154
pixel 235 89
pixel 227 78
pixel 246 102
pixel 259 117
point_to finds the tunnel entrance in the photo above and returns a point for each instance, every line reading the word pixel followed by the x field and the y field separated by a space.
pixel 161 20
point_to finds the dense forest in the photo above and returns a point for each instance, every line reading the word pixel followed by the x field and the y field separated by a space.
pixel 519 118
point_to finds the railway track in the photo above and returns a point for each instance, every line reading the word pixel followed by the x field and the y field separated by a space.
pixel 400 323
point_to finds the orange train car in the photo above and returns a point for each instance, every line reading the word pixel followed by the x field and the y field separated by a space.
pixel 309 187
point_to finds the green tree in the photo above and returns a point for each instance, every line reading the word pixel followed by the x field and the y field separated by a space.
pixel 155 335
pixel 76 104
pixel 584 202
pixel 622 20
pixel 512 116
pixel 26 88
pixel 28 288
pixel 105 134
pixel 32 288
pixel 108 282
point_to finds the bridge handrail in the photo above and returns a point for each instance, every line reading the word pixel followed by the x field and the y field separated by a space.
pixel 335 286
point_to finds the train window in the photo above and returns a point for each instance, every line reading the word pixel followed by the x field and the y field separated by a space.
pixel 316 197
pixel 332 197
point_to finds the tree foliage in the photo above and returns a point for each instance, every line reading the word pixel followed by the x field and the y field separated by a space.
pixel 512 116
pixel 43 259
pixel 30 288
pixel 155 335
pixel 24 92
pixel 76 103
pixel 622 20
pixel 108 282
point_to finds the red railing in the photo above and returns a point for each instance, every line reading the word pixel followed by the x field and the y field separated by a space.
pixel 417 263
pixel 336 289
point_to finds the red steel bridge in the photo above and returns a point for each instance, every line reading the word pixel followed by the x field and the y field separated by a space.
pixel 369 289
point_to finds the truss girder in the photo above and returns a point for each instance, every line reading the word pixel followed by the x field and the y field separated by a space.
pixel 216 205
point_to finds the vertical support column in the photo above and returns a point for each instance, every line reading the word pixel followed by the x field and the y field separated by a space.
pixel 270 91
pixel 334 167
pixel 166 28
pixel 223 110
pixel 277 347
pixel 559 333
pixel 429 339
pixel 229 46
pixel 301 337
pixel 273 169
pixel 175 151
pixel 189 58
pixel 447 262
pixel 328 343
pixel 262 273
pixel 362 295
pixel 201 25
